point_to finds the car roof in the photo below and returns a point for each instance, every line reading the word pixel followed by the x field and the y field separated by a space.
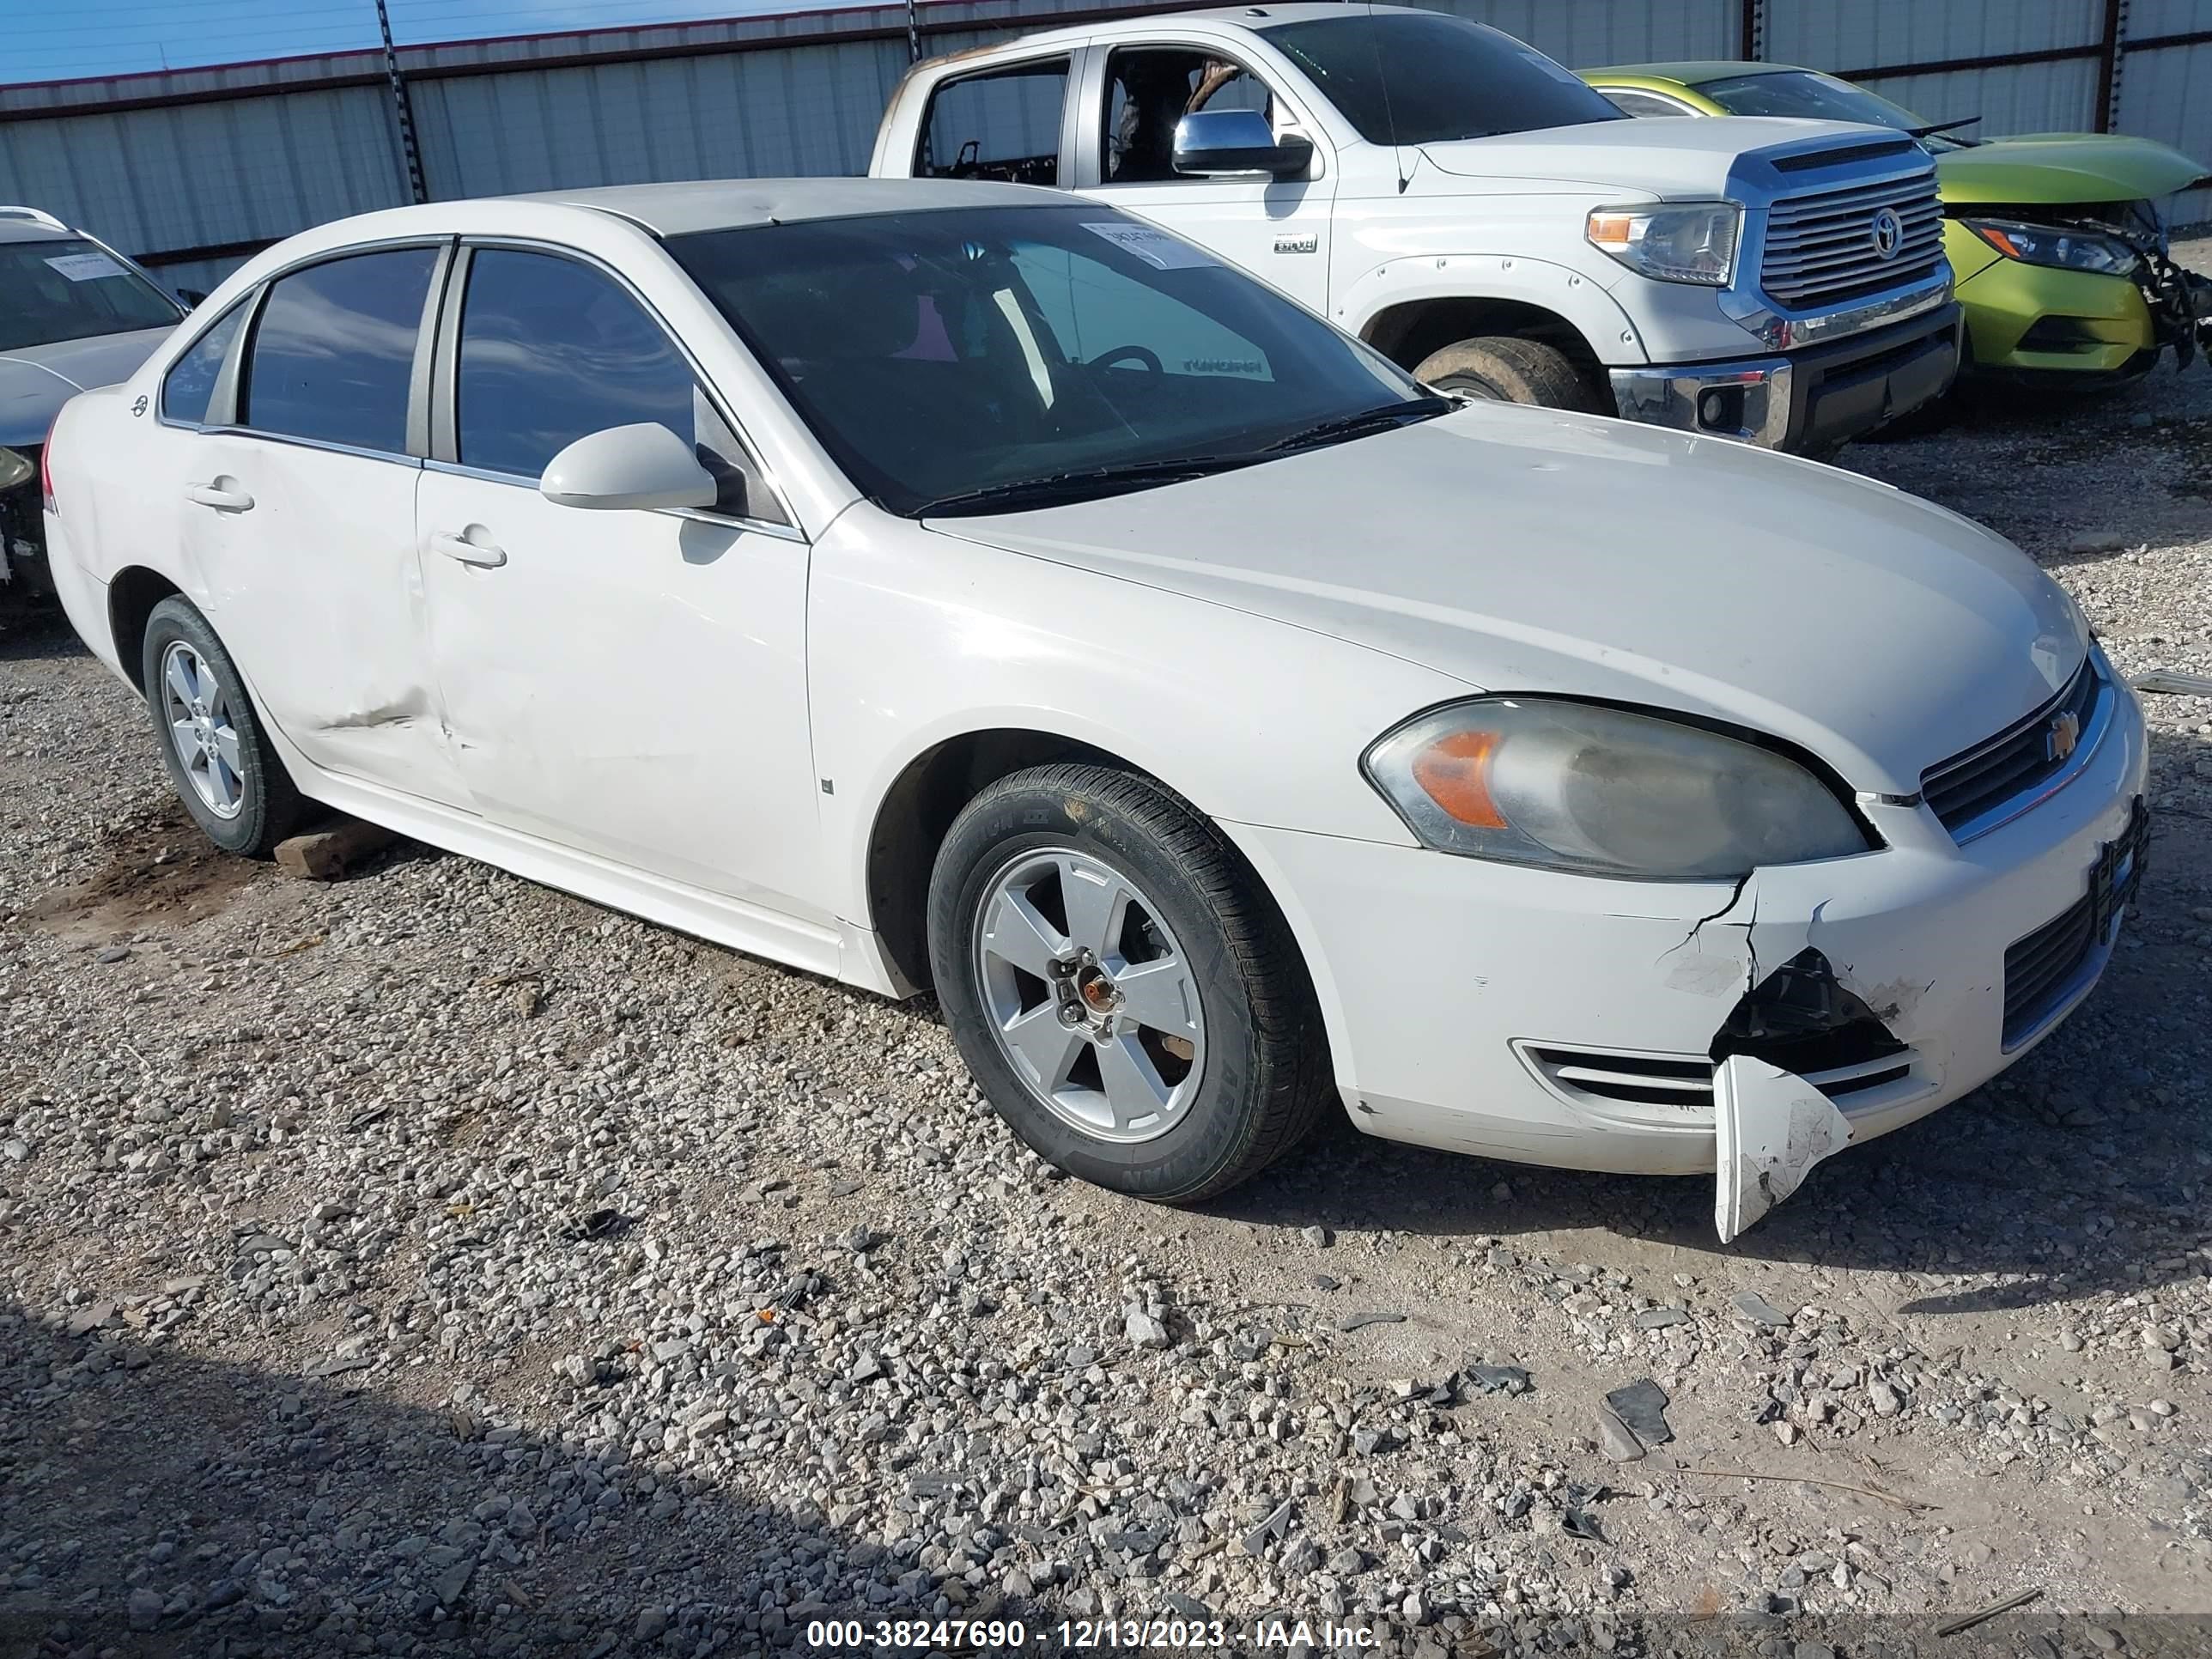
pixel 1694 73
pixel 729 203
pixel 16 227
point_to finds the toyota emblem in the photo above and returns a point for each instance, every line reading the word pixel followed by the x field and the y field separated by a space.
pixel 1888 233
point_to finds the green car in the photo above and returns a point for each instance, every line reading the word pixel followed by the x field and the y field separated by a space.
pixel 2057 240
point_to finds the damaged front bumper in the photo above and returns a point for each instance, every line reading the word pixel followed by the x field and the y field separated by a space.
pixel 1578 1022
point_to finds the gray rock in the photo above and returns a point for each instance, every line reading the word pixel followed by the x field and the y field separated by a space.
pixel 1320 1237
pixel 1758 1309
pixel 1883 1398
pixel 1658 1319
pixel 1143 1330
pixel 1275 1524
pixel 651 1624
pixel 143 1609
pixel 1498 1379
pixel 1614 1438
pixel 1360 1322
pixel 1642 1408
pixel 454 1581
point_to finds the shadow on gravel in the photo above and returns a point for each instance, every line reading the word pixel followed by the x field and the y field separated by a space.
pixel 37 636
pixel 2085 1167
pixel 161 1505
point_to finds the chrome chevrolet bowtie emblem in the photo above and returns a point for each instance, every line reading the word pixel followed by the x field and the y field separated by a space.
pixel 2063 738
pixel 1888 233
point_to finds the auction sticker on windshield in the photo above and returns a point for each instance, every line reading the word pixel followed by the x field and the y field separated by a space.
pixel 1155 247
pixel 85 267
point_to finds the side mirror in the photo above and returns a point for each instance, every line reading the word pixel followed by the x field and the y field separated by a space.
pixel 636 466
pixel 1228 142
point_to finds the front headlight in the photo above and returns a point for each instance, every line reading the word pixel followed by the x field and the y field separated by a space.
pixel 14 468
pixel 2065 250
pixel 1530 781
pixel 1672 242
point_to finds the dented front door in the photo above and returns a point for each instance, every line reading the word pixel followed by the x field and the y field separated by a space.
pixel 308 553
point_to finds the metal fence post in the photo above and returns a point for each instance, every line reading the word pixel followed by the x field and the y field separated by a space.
pixel 2111 49
pixel 416 190
pixel 1751 23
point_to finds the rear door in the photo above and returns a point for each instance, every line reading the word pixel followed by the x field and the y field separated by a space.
pixel 296 504
pixel 1276 228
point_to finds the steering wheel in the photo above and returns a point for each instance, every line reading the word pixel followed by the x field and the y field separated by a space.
pixel 1145 354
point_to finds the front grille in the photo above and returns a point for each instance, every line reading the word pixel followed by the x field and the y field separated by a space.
pixel 2016 761
pixel 1821 246
pixel 2039 969
pixel 2043 970
pixel 1686 1080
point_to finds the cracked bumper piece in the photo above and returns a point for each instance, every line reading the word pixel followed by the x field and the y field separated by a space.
pixel 1576 1021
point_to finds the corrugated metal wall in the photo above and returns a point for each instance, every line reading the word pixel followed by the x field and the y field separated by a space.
pixel 208 163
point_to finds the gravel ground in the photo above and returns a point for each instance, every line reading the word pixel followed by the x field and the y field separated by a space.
pixel 432 1263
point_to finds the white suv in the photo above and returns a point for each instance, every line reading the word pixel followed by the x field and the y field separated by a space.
pixel 889 580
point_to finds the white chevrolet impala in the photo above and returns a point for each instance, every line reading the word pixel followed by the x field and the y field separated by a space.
pixel 957 585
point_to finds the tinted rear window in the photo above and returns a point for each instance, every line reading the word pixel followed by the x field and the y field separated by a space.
pixel 1423 79
pixel 334 350
pixel 53 289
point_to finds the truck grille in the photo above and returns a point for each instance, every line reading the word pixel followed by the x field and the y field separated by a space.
pixel 1823 246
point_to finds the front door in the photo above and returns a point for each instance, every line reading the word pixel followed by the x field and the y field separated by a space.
pixel 1276 228
pixel 630 684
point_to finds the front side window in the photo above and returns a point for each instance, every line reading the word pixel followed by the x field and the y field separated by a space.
pixel 333 353
pixel 552 350
pixel 1004 126
pixel 190 380
pixel 1422 78
pixel 951 360
pixel 67 289
pixel 1149 90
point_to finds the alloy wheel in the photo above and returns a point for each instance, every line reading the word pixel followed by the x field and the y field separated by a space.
pixel 196 712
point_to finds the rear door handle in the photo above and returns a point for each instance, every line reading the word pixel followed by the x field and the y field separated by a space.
pixel 486 553
pixel 223 500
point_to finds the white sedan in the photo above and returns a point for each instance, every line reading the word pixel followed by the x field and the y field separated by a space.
pixel 957 585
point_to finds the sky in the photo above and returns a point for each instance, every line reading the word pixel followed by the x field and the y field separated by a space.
pixel 42 41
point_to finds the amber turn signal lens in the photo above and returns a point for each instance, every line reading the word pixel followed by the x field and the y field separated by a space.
pixel 1609 229
pixel 1453 772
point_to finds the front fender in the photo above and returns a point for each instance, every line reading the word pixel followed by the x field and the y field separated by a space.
pixel 1606 329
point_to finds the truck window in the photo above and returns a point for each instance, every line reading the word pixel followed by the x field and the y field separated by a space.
pixel 1002 125
pixel 1149 88
pixel 1410 78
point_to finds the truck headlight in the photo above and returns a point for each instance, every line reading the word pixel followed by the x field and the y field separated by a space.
pixel 1672 241
pixel 1577 786
pixel 2065 250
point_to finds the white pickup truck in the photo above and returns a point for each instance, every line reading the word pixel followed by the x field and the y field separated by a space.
pixel 1475 212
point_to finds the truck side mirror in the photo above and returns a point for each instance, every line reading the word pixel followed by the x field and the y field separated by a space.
pixel 1229 142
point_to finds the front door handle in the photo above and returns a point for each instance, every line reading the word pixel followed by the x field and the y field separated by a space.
pixel 486 553
pixel 223 500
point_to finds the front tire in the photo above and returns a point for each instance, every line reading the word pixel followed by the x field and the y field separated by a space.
pixel 211 735
pixel 1507 369
pixel 1128 998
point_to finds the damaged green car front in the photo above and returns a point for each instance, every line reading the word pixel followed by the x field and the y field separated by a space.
pixel 2058 244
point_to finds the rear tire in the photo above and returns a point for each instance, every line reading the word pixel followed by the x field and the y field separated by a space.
pixel 1161 976
pixel 1507 369
pixel 211 735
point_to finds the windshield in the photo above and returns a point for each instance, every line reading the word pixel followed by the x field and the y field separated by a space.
pixel 66 288
pixel 1814 96
pixel 938 354
pixel 1420 78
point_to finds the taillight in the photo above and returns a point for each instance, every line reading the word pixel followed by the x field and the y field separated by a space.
pixel 47 470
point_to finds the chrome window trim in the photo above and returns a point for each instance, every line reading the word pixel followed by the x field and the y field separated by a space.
pixel 445 446
pixel 323 444
pixel 726 520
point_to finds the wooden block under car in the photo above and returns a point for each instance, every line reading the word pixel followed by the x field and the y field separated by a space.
pixel 328 853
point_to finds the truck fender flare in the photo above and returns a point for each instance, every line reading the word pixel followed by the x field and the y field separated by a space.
pixel 1606 330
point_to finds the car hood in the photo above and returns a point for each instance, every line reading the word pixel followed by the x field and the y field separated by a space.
pixel 1664 159
pixel 1524 550
pixel 2061 168
pixel 35 381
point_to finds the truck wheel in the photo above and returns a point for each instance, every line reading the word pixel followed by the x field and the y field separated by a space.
pixel 1507 369
pixel 1129 1000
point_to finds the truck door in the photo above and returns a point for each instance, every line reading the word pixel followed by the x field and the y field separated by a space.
pixel 1276 228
